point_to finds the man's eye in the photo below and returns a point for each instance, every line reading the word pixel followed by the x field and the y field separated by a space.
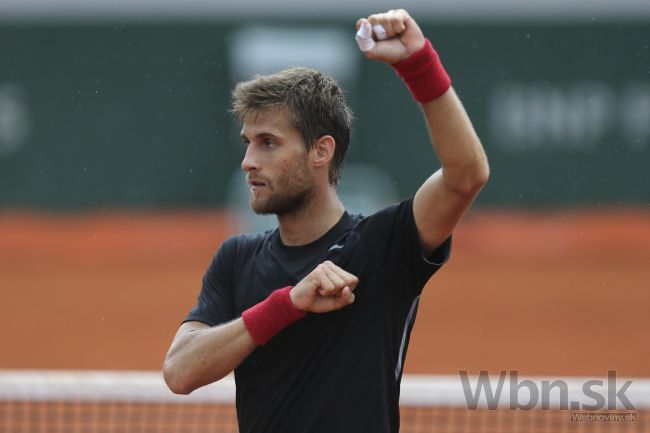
pixel 268 143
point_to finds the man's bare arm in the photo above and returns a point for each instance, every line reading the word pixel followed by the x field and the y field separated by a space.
pixel 201 354
pixel 443 198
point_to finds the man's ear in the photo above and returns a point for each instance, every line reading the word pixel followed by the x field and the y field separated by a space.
pixel 323 151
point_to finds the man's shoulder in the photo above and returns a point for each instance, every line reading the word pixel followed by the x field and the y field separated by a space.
pixel 246 242
pixel 385 214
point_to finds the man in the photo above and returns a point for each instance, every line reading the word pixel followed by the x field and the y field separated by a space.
pixel 315 316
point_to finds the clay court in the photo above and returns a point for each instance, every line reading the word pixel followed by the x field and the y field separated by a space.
pixel 561 293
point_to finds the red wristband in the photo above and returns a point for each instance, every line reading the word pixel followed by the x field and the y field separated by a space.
pixel 424 74
pixel 271 316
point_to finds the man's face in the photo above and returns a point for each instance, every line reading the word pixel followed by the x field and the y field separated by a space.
pixel 276 163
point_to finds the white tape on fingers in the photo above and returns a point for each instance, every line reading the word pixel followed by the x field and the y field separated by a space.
pixel 364 37
pixel 380 32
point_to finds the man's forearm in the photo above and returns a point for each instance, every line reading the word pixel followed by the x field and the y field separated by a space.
pixel 201 354
pixel 464 164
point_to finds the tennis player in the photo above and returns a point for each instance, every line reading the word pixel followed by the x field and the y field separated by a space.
pixel 315 316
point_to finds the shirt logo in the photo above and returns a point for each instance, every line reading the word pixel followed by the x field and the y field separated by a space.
pixel 335 247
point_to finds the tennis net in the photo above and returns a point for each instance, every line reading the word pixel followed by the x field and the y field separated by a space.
pixel 127 402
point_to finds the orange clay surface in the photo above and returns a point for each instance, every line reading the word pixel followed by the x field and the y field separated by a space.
pixel 546 293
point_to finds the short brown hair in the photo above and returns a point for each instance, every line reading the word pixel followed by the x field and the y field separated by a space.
pixel 315 101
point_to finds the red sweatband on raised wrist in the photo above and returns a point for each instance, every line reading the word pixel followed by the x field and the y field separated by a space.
pixel 424 74
pixel 271 316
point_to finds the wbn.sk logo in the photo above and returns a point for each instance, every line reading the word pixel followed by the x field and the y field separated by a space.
pixel 592 394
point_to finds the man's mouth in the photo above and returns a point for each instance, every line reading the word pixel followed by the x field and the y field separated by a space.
pixel 255 183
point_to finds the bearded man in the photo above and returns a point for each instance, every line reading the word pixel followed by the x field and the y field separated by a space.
pixel 314 317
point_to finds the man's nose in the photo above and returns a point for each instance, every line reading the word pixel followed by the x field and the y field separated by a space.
pixel 250 161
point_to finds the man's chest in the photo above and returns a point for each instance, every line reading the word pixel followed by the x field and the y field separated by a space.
pixel 268 270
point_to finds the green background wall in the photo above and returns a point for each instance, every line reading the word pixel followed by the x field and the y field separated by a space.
pixel 136 115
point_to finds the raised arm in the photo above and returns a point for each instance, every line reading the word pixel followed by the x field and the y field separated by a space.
pixel 443 198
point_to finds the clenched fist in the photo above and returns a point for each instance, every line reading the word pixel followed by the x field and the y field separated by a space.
pixel 402 36
pixel 326 288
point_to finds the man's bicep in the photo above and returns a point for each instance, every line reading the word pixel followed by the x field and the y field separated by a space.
pixel 185 329
pixel 188 327
pixel 437 210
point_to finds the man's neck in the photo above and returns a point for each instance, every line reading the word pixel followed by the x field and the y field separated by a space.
pixel 313 220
